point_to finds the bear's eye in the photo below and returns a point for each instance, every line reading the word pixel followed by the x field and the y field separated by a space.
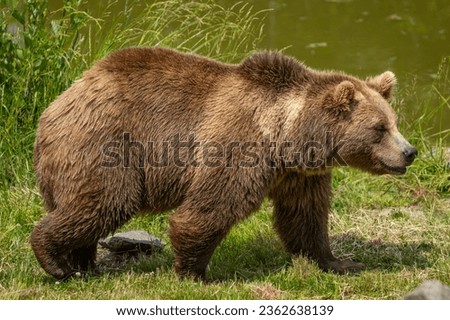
pixel 380 128
pixel 380 132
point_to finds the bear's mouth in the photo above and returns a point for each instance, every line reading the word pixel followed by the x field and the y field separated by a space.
pixel 399 170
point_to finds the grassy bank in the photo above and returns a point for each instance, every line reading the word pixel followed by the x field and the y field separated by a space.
pixel 397 226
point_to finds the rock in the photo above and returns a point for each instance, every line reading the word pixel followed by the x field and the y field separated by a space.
pixel 430 290
pixel 132 242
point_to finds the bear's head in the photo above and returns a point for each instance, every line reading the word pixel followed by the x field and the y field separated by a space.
pixel 368 134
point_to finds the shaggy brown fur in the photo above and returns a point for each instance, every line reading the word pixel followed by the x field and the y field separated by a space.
pixel 152 129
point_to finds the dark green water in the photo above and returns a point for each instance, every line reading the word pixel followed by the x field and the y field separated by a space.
pixel 366 37
pixel 363 37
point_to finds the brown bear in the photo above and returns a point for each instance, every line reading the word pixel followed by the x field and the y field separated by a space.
pixel 153 129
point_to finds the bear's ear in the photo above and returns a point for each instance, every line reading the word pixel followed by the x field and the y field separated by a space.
pixel 339 100
pixel 343 95
pixel 384 83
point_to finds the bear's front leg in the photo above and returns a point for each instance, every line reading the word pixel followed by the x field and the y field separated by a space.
pixel 301 219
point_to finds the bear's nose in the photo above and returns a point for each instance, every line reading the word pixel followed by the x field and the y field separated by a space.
pixel 410 154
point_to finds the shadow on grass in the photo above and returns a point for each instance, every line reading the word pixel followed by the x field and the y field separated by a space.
pixel 234 260
pixel 257 257
pixel 377 254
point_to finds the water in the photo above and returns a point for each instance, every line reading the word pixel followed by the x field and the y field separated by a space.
pixel 367 37
pixel 363 37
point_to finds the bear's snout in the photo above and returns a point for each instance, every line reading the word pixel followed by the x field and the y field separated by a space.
pixel 408 151
pixel 409 154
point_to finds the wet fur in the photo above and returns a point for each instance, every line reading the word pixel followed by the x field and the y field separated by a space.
pixel 157 93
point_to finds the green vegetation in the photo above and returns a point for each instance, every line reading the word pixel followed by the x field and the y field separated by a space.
pixel 397 226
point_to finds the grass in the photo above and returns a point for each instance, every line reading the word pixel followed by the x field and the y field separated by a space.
pixel 397 226
pixel 401 247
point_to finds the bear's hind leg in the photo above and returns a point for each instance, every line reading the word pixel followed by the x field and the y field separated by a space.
pixel 83 259
pixel 65 242
pixel 301 219
pixel 194 238
pixel 49 255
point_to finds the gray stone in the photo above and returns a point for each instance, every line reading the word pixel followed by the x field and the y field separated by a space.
pixel 430 290
pixel 132 241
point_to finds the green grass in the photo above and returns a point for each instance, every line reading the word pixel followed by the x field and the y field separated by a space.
pixel 401 247
pixel 397 226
